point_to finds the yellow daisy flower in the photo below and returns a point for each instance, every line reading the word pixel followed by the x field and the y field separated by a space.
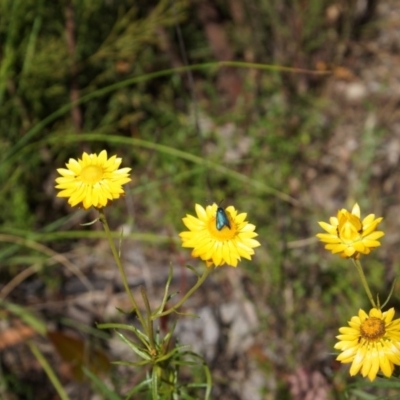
pixel 93 181
pixel 219 240
pixel 348 235
pixel 371 343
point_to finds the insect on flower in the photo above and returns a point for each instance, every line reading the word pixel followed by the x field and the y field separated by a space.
pixel 222 219
pixel 212 243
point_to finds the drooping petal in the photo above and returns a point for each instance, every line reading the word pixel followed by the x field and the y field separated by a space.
pixel 348 235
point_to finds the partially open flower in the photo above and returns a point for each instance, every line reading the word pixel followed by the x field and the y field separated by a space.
pixel 221 239
pixel 371 343
pixel 92 181
pixel 348 235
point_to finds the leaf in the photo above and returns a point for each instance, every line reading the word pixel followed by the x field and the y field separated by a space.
pixel 101 386
pixel 78 354
pixel 143 353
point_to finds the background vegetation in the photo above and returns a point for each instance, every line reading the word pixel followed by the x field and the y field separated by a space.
pixel 287 147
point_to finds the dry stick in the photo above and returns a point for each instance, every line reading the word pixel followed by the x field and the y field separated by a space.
pixel 18 279
pixel 51 253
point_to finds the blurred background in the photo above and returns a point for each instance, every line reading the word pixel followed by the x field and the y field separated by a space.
pixel 289 148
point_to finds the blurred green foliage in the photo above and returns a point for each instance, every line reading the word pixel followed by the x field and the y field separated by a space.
pixel 57 52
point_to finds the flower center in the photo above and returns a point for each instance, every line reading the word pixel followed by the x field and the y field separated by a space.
pixel 225 233
pixel 349 228
pixel 372 329
pixel 91 174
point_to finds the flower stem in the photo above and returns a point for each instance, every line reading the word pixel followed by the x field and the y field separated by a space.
pixel 364 281
pixel 150 328
pixel 103 220
pixel 199 282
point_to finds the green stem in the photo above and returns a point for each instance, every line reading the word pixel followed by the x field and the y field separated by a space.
pixel 103 220
pixel 364 281
pixel 150 328
pixel 199 282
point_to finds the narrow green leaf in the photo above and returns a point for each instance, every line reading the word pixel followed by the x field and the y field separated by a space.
pixel 101 386
pixel 141 353
pixel 49 371
pixel 142 386
pixel 154 384
pixel 23 313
